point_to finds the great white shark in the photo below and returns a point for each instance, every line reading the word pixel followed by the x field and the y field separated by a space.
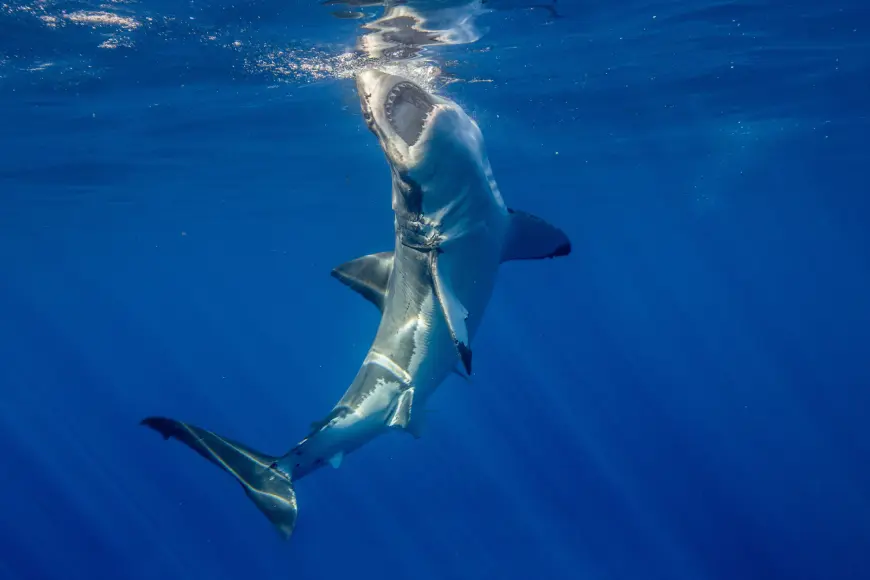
pixel 452 233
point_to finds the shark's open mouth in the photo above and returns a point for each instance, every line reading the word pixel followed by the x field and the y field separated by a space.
pixel 407 107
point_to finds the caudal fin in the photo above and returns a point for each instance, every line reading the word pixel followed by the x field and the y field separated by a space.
pixel 267 486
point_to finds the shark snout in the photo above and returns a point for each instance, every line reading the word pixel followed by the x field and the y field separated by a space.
pixel 367 83
pixel 370 77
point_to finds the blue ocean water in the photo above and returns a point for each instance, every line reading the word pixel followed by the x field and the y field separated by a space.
pixel 684 397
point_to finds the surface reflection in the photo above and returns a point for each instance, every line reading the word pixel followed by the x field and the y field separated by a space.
pixel 406 31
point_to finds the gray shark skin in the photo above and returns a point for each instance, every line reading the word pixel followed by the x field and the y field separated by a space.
pixel 452 233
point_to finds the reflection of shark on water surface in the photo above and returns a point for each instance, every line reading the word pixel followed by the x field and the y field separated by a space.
pixel 452 233
pixel 407 26
pixel 404 30
pixel 424 4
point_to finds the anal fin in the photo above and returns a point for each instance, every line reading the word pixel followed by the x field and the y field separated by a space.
pixel 454 313
pixel 401 417
pixel 415 427
pixel 335 460
pixel 405 417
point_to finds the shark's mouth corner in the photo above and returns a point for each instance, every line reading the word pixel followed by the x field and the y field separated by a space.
pixel 407 107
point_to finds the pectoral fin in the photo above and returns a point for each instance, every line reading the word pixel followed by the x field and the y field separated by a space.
pixel 454 313
pixel 461 374
pixel 531 238
pixel 368 275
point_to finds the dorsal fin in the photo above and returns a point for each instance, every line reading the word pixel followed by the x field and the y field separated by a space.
pixel 368 275
pixel 531 238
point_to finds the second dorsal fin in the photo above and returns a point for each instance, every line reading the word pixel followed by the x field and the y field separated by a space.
pixel 368 275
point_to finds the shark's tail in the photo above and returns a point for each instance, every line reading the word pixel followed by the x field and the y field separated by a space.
pixel 268 486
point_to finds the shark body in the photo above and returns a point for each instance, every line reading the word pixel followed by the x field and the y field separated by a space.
pixel 452 233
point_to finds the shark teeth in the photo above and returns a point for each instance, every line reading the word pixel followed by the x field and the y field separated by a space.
pixel 408 108
pixel 423 125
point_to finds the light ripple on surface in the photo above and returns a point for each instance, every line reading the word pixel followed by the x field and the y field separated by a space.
pixel 102 19
pixel 399 40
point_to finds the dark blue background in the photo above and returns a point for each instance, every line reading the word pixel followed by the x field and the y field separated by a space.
pixel 686 396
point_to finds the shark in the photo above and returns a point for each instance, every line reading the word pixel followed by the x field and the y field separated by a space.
pixel 453 232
